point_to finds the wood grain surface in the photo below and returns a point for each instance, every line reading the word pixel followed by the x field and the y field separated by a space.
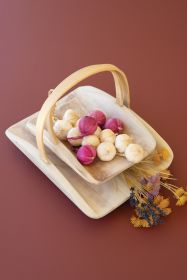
pixel 42 234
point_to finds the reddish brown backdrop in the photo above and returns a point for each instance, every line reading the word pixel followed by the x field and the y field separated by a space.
pixel 42 234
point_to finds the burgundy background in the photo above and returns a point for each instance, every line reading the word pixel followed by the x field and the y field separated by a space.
pixel 42 234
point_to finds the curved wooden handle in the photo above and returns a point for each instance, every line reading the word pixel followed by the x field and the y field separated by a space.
pixel 122 97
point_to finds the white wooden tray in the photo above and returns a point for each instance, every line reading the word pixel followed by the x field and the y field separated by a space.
pixel 95 201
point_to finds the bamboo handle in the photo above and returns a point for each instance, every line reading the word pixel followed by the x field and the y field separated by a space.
pixel 122 97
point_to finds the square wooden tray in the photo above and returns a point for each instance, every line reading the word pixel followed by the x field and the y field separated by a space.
pixel 95 201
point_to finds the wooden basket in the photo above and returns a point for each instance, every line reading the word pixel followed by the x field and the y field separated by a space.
pixel 84 101
pixel 94 201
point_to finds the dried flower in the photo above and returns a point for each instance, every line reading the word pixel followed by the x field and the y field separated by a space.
pixel 154 179
pixel 164 154
pixel 164 203
pixel 146 183
pixel 154 184
pixel 167 211
pixel 148 212
pixel 180 191
pixel 159 155
pixel 137 222
pixel 158 199
pixel 165 174
pixel 156 158
pixel 182 200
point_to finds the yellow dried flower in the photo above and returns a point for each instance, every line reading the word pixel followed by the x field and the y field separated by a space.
pixel 180 191
pixel 182 200
pixel 156 158
pixel 144 223
pixel 164 203
pixel 158 198
pixel 167 211
pixel 164 153
pixel 138 222
pixel 135 221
